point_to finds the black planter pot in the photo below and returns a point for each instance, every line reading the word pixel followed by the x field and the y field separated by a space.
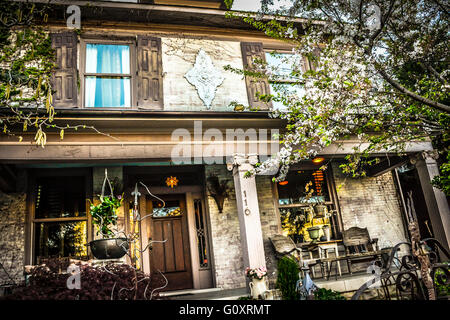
pixel 113 248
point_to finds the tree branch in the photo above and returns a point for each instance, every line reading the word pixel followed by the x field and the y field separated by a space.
pixel 434 104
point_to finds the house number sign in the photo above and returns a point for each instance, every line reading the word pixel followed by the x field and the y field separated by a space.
pixel 247 210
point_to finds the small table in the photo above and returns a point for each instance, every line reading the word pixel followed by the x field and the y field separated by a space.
pixel 324 248
pixel 376 254
pixel 331 245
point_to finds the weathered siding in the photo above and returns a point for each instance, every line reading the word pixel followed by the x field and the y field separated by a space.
pixel 179 57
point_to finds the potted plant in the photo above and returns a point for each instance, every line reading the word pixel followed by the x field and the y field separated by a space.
pixel 104 216
pixel 258 282
pixel 314 233
pixel 320 209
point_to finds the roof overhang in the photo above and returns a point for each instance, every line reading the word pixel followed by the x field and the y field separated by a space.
pixel 156 13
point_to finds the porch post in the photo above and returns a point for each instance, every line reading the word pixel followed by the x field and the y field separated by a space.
pixel 435 199
pixel 248 210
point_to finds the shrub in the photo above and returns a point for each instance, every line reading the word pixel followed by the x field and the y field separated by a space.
pixel 327 294
pixel 287 278
pixel 116 282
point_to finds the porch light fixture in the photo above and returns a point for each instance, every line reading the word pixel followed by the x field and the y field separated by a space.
pixel 318 160
pixel 283 183
pixel 218 190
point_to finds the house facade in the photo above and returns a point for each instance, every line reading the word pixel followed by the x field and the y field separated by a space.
pixel 150 77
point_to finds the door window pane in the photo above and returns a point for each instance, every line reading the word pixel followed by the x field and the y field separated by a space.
pixel 201 234
pixel 171 209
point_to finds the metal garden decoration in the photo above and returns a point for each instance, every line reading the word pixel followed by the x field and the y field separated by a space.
pixel 117 243
pixel 421 273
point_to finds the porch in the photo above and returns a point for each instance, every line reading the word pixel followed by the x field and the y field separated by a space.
pixel 346 284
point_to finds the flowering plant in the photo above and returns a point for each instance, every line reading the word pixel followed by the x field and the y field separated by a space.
pixel 257 273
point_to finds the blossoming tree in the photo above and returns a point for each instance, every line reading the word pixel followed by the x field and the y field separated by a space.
pixel 378 71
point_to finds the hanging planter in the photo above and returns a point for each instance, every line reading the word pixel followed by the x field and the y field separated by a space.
pixel 112 248
pixel 104 216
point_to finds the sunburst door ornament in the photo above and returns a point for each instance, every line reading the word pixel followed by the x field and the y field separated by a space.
pixel 171 181
pixel 205 78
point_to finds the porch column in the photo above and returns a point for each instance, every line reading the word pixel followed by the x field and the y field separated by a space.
pixel 435 199
pixel 248 210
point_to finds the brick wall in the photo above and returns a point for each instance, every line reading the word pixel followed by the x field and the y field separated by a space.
pixel 270 222
pixel 371 202
pixel 226 239
pixel 12 239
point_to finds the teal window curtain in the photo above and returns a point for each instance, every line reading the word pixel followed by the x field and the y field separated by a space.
pixel 107 88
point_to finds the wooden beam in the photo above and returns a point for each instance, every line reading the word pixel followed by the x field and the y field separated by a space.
pixel 7 179
pixel 386 165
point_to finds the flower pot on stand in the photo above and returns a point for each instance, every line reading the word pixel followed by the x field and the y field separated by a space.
pixel 258 287
pixel 320 210
pixel 314 233
pixel 327 232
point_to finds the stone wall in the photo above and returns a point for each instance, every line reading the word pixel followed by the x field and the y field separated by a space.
pixel 12 236
pixel 371 202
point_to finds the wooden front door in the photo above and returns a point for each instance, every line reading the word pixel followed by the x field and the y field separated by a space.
pixel 172 257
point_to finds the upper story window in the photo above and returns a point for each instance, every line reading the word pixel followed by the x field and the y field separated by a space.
pixel 107 75
pixel 283 80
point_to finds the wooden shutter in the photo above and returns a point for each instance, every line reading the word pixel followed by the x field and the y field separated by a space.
pixel 64 78
pixel 310 64
pixel 149 73
pixel 251 51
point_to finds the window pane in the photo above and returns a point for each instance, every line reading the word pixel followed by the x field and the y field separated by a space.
pixel 57 239
pixel 107 58
pixel 108 92
pixel 60 197
pixel 294 191
pixel 282 90
pixel 201 234
pixel 171 209
pixel 284 63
